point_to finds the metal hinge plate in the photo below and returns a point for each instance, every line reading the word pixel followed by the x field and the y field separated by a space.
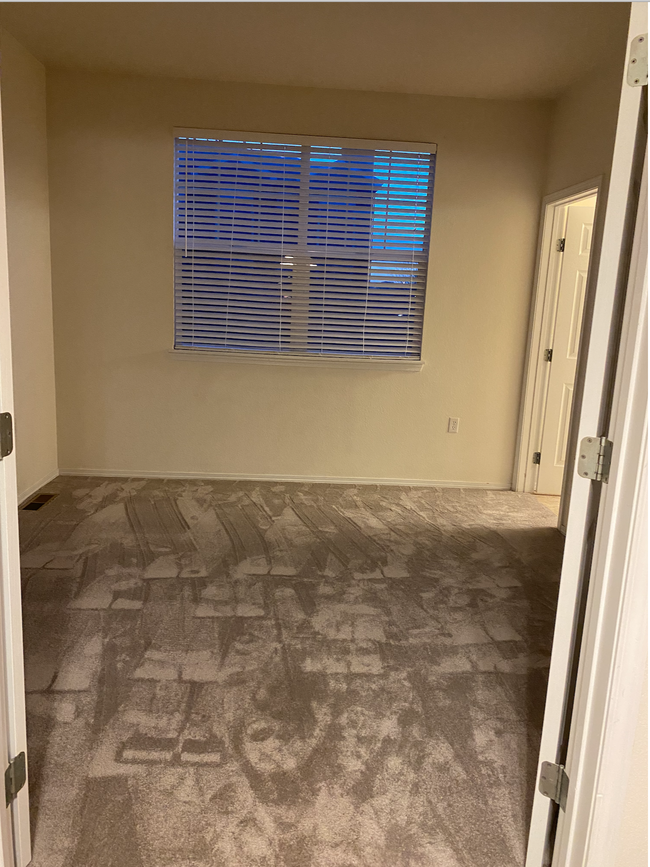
pixel 537 457
pixel 554 783
pixel 637 69
pixel 15 777
pixel 6 434
pixel 560 245
pixel 548 355
pixel 595 458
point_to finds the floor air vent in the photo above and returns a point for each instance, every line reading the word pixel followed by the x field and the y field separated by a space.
pixel 37 502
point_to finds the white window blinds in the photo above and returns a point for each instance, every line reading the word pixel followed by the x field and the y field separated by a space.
pixel 312 247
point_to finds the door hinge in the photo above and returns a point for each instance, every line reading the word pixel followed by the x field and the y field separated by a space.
pixel 554 783
pixel 560 245
pixel 537 457
pixel 637 68
pixel 15 777
pixel 6 434
pixel 595 458
pixel 548 355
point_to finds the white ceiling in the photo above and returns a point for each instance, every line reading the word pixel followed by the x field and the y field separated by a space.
pixel 492 50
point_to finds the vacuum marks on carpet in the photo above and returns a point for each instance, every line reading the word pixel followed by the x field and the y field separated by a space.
pixel 258 675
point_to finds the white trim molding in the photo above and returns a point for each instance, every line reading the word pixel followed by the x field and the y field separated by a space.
pixel 265 477
pixel 229 356
pixel 15 837
pixel 289 138
pixel 614 651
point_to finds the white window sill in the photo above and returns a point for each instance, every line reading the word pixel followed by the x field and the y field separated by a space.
pixel 398 364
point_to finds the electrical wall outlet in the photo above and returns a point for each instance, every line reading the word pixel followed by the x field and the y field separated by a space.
pixel 452 427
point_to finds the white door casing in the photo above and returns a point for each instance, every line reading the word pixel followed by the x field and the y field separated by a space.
pixel 588 403
pixel 564 343
pixel 613 657
pixel 554 214
pixel 613 661
pixel 7 837
pixel 12 681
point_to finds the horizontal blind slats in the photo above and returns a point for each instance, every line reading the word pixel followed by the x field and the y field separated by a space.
pixel 305 249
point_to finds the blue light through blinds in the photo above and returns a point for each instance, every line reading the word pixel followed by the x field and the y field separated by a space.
pixel 300 248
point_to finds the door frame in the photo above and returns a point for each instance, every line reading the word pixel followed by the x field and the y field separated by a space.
pixel 613 654
pixel 13 728
pixel 598 362
pixel 542 317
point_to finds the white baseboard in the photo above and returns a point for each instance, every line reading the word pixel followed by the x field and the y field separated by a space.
pixel 25 495
pixel 248 477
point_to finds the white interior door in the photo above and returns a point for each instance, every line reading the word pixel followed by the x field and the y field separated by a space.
pixel 572 287
pixel 590 390
pixel 14 819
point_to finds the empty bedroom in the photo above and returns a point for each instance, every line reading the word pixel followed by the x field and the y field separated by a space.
pixel 289 587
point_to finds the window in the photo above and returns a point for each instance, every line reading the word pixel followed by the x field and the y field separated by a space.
pixel 301 246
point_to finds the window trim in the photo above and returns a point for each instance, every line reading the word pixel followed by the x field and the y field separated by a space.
pixel 324 141
pixel 229 356
pixel 232 356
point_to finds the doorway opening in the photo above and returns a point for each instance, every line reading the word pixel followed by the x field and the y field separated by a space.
pixel 567 231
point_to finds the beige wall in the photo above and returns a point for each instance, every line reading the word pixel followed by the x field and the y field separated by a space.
pixel 28 230
pixel 125 403
pixel 584 127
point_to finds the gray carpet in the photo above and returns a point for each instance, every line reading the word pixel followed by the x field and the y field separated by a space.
pixel 272 675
